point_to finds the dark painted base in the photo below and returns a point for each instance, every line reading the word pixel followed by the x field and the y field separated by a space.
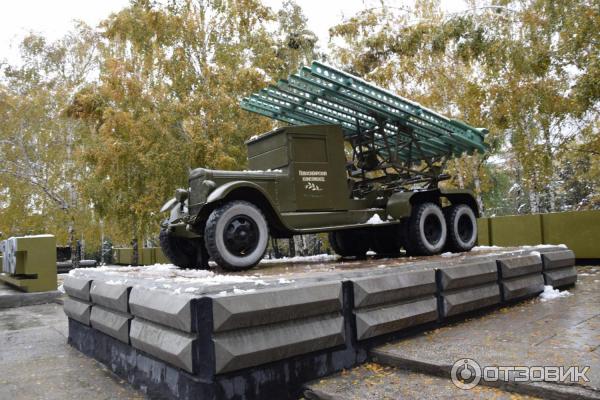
pixel 587 261
pixel 278 380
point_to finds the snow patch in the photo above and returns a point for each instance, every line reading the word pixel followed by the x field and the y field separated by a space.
pixel 242 291
pixel 535 253
pixel 448 254
pixel 61 289
pixel 283 280
pixel 550 293
pixel 375 220
pixel 486 248
pixel 300 259
pixel 371 253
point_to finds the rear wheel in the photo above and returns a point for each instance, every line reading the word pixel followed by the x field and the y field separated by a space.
pixel 183 252
pixel 236 235
pixel 349 243
pixel 426 230
pixel 386 240
pixel 462 228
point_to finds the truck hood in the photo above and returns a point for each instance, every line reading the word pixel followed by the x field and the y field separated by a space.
pixel 204 173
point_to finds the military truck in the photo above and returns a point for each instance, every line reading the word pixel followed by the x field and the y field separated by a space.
pixel 357 162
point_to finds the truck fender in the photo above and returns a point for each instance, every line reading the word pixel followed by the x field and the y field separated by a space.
pixel 271 212
pixel 223 191
pixel 168 205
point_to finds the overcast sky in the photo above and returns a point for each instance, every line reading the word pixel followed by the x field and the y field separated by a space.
pixel 54 18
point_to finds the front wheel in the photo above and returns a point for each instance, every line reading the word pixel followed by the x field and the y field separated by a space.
pixel 183 252
pixel 426 230
pixel 236 235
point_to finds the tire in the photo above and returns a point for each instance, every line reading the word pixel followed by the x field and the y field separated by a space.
pixel 182 252
pixel 386 240
pixel 462 228
pixel 426 230
pixel 349 243
pixel 236 235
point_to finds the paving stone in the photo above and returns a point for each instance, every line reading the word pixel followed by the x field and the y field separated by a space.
pixel 472 274
pixel 522 287
pixel 562 277
pixel 393 287
pixel 371 322
pixel 77 310
pixel 470 299
pixel 113 323
pixel 171 346
pixel 244 348
pixel 511 267
pixel 558 259
pixel 77 287
pixel 270 306
pixel 114 297
pixel 164 308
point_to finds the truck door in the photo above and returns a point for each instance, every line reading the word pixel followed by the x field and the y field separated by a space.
pixel 315 186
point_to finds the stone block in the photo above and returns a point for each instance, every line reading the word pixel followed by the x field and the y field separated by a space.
pixel 77 310
pixel 394 287
pixel 558 259
pixel 277 305
pixel 172 310
pixel 114 297
pixel 562 277
pixel 467 275
pixel 77 287
pixel 171 346
pixel 245 348
pixel 522 287
pixel 371 322
pixel 111 322
pixel 469 299
pixel 511 267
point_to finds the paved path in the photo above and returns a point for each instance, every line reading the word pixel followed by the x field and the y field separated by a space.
pixel 37 363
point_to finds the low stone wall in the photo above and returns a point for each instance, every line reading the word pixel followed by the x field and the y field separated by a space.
pixel 578 230
pixel 267 343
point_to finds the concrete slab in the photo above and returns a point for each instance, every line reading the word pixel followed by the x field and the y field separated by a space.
pixel 112 323
pixel 12 297
pixel 240 349
pixel 163 308
pixel 174 347
pixel 470 299
pixel 522 287
pixel 558 332
pixel 511 267
pixel 471 274
pixel 275 305
pixel 112 296
pixel 393 287
pixel 558 259
pixel 371 322
pixel 77 309
pixel 559 278
pixel 77 287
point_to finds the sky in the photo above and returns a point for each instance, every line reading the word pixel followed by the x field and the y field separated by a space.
pixel 54 18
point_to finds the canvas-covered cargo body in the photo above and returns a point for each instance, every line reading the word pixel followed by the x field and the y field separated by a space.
pixel 370 186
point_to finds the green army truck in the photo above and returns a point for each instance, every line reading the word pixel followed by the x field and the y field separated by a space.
pixel 357 162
